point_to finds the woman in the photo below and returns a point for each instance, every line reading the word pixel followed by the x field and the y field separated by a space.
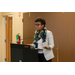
pixel 43 40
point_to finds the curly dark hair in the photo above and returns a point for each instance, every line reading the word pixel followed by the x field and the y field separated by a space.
pixel 39 19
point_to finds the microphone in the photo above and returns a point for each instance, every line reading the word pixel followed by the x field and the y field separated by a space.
pixel 25 39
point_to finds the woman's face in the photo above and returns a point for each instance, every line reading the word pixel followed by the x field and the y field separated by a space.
pixel 38 26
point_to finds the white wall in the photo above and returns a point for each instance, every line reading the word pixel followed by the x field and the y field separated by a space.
pixel 17 27
pixel 17 24
pixel 0 35
pixel 3 40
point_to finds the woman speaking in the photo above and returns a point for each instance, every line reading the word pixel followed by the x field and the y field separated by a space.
pixel 43 40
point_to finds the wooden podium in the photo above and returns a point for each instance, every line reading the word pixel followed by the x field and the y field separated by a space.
pixel 23 53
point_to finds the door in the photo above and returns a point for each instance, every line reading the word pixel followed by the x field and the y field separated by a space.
pixel 8 37
pixel 3 39
pixel 29 28
pixel 27 31
pixel 66 36
pixel 71 24
pixel 63 37
pixel 51 24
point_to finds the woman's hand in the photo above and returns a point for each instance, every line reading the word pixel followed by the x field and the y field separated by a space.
pixel 46 47
pixel 30 45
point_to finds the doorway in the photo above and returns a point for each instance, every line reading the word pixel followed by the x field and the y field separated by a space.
pixel 3 39
pixel 6 37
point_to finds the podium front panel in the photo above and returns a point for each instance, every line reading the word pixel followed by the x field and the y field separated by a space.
pixel 21 54
pixel 16 55
pixel 27 55
pixel 34 55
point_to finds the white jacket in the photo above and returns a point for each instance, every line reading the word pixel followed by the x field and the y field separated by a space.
pixel 48 54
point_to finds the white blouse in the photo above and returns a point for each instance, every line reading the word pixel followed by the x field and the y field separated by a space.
pixel 40 46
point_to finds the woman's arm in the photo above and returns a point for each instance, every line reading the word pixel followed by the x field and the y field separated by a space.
pixel 47 47
pixel 50 41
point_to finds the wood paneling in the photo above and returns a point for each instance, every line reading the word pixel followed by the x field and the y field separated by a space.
pixel 63 27
pixel 29 28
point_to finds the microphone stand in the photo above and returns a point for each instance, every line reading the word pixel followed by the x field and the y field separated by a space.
pixel 25 39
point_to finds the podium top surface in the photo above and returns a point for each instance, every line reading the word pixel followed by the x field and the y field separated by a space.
pixel 19 45
pixel 22 46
